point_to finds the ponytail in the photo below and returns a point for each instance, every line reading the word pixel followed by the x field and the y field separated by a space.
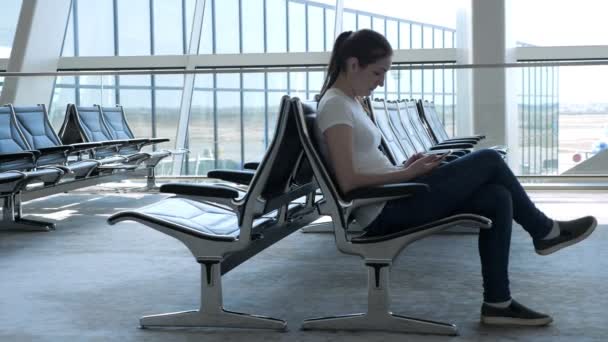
pixel 366 45
pixel 335 65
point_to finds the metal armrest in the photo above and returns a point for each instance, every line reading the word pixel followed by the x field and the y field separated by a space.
pixel 251 165
pixel 451 146
pixel 388 190
pixel 199 190
pixel 240 177
pixel 61 149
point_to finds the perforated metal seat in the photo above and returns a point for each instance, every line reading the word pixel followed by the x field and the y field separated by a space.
pixel 378 252
pixel 218 224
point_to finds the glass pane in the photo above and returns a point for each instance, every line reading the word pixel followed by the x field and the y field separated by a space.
pixel 138 110
pixel 276 26
pixel 315 82
pixel 561 23
pixel 206 43
pixel 9 15
pixel 68 42
pixel 103 97
pixel 427 37
pixel 316 35
pixel 364 22
pixel 330 27
pixel 226 14
pixel 135 80
pixel 167 115
pixel 61 98
pixel 404 36
pixel 297 27
pixel 277 81
pixel 228 81
pixel 95 28
pixel 133 30
pixel 168 27
pixel 190 6
pixel 416 36
pixel 253 26
pixel 297 84
pixel 169 81
pixel 440 13
pixel 438 38
pixel 200 134
pixel 378 25
pixel 204 81
pixel 229 129
pixel 349 21
pixel 253 80
pixel 392 33
pixel 255 123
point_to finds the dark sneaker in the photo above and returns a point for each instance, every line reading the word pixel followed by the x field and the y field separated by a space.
pixel 514 314
pixel 570 233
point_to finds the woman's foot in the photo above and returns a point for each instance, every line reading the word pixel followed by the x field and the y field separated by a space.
pixel 514 314
pixel 570 232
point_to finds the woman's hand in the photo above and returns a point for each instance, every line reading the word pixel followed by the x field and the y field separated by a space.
pixel 412 159
pixel 423 165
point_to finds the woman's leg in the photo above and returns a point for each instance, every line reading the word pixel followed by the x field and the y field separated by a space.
pixel 494 202
pixel 452 185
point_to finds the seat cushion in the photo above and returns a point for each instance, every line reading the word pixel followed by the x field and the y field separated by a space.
pixel 194 218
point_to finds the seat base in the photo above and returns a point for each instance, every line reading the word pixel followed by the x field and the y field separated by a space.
pixel 25 225
pixel 380 321
pixel 220 319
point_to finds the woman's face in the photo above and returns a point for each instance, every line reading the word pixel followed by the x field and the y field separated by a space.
pixel 365 79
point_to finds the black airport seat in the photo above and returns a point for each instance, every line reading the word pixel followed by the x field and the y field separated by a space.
pixel 218 224
pixel 40 135
pixel 378 252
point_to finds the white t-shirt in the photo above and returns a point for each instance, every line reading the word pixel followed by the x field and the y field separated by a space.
pixel 337 108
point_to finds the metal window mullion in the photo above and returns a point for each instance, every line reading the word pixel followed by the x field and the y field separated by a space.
pixel 213 31
pixel 306 47
pixel 324 29
pixel 116 49
pixel 287 25
pixel 184 28
pixel 529 112
pixel 547 114
pixel 240 26
pixel 265 109
pixel 242 118
pixel 76 53
pixel 215 124
pixel 265 28
pixel 338 19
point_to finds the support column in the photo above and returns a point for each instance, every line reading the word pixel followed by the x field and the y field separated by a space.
pixel 494 105
pixel 37 48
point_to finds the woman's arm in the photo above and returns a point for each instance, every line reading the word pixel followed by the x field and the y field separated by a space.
pixel 339 139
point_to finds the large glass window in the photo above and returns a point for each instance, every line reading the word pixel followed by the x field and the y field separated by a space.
pixel 95 28
pixel 256 26
pixel 168 28
pixel 558 23
pixel 134 30
pixel 9 15
pixel 406 23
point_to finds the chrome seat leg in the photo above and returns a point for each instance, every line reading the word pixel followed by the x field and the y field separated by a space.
pixel 211 312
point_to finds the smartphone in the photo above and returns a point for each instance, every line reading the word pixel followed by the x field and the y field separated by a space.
pixel 444 154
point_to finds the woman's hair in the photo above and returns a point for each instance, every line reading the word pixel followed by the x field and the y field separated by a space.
pixel 366 45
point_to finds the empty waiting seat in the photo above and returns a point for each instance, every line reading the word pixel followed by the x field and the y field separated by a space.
pixel 234 224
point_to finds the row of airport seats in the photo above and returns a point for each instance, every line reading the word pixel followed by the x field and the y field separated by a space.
pixel 222 228
pixel 409 127
pixel 93 146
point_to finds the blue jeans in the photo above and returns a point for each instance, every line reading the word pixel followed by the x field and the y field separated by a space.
pixel 478 183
